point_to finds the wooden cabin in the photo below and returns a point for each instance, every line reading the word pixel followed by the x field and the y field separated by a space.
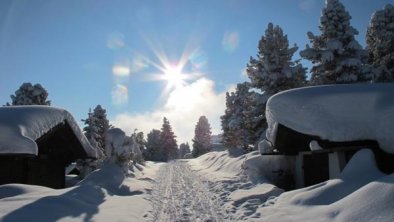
pixel 313 167
pixel 357 115
pixel 57 148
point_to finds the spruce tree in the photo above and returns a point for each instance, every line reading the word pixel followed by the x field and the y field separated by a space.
pixel 168 141
pixel 139 148
pixel 202 137
pixel 29 94
pixel 97 125
pixel 228 137
pixel 273 70
pixel 336 55
pixel 184 149
pixel 242 123
pixel 380 44
pixel 154 150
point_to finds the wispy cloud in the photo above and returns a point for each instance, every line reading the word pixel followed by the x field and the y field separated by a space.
pixel 230 41
pixel 183 106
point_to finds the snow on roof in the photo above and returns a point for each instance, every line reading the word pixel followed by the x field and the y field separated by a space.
pixel 337 113
pixel 21 126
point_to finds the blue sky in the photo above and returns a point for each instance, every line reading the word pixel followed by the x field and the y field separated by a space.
pixel 105 52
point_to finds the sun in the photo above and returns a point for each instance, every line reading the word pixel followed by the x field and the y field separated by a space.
pixel 174 76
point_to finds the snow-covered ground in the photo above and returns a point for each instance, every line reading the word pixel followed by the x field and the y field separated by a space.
pixel 214 187
pixel 105 195
pixel 180 194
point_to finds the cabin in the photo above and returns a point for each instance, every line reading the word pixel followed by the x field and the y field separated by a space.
pixel 322 127
pixel 37 143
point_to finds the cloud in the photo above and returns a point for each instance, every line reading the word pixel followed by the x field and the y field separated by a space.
pixel 307 5
pixel 183 107
pixel 120 95
pixel 230 41
pixel 115 41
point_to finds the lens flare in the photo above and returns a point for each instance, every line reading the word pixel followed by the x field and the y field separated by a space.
pixel 121 70
pixel 120 95
pixel 230 41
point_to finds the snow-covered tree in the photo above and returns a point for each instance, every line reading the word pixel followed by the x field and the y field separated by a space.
pixel 228 136
pixel 202 137
pixel 154 150
pixel 120 149
pixel 97 125
pixel 184 149
pixel 168 141
pixel 243 123
pixel 29 94
pixel 140 146
pixel 273 70
pixel 243 117
pixel 380 44
pixel 336 55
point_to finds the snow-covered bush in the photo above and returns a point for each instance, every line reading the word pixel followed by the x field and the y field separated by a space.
pixel 29 94
pixel 121 149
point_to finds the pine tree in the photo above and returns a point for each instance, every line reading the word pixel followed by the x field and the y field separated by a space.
pixel 228 136
pixel 139 148
pixel 168 141
pixel 336 55
pixel 154 150
pixel 273 70
pixel 380 44
pixel 242 123
pixel 202 137
pixel 184 149
pixel 97 125
pixel 29 94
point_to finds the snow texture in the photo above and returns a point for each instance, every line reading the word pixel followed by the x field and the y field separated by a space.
pixel 336 113
pixel 20 126
pixel 180 194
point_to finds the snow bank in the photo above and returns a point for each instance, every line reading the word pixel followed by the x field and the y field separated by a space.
pixel 362 193
pixel 336 112
pixel 104 195
pixel 20 126
pixel 257 168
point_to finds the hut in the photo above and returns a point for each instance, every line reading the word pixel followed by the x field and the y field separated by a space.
pixel 37 143
pixel 322 127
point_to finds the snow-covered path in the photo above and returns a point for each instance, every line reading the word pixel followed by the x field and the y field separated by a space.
pixel 180 194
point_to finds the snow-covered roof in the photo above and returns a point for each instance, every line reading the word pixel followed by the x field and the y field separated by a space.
pixel 337 113
pixel 21 126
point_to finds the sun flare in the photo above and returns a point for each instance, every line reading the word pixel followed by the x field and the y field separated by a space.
pixel 174 76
